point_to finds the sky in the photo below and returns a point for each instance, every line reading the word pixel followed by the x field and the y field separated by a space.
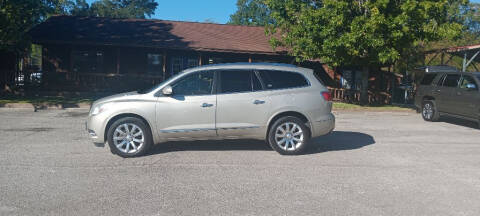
pixel 194 10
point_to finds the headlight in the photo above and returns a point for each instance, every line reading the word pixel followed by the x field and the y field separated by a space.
pixel 98 109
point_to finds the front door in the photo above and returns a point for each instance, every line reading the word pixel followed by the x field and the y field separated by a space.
pixel 190 111
pixel 468 99
pixel 242 109
pixel 446 99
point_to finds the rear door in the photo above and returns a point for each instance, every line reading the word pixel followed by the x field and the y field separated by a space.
pixel 468 99
pixel 445 94
pixel 242 106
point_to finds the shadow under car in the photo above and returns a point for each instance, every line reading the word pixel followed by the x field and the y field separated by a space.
pixel 335 141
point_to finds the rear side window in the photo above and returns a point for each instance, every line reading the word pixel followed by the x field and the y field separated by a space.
pixel 282 79
pixel 232 81
pixel 451 80
pixel 428 79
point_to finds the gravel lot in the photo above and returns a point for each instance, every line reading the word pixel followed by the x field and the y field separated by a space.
pixel 374 163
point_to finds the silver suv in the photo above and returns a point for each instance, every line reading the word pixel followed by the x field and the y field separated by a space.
pixel 282 104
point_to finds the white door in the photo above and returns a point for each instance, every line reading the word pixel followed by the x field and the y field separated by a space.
pixel 190 111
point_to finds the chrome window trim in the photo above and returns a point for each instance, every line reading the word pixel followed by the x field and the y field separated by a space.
pixel 237 128
pixel 187 130
pixel 206 129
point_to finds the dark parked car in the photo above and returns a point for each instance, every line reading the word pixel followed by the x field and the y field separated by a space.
pixel 449 93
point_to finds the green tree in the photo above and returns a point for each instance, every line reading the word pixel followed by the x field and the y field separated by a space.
pixel 364 33
pixel 80 8
pixel 251 12
pixel 123 8
pixel 17 17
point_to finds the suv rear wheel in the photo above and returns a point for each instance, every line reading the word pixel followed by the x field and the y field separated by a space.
pixel 429 111
pixel 129 137
pixel 289 136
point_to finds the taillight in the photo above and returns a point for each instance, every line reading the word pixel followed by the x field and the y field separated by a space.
pixel 327 96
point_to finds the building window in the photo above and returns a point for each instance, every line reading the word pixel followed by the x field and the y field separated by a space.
pixel 154 64
pixel 182 63
pixel 177 65
pixel 87 61
pixel 192 62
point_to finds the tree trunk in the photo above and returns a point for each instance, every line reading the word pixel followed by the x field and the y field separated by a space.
pixel 364 87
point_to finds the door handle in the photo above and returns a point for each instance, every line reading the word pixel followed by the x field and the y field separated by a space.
pixel 258 102
pixel 207 105
pixel 459 93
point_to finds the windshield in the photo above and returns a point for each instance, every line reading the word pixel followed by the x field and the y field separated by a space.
pixel 150 89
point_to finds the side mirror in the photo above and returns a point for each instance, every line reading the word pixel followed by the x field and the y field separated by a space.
pixel 471 86
pixel 167 90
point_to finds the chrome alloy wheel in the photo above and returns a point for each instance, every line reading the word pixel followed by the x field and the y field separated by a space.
pixel 128 138
pixel 289 136
pixel 427 111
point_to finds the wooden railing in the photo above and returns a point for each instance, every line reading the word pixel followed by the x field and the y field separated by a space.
pixel 353 96
pixel 98 81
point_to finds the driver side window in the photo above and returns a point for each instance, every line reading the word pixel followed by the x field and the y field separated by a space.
pixel 198 83
pixel 467 80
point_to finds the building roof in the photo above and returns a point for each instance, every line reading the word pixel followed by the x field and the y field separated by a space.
pixel 153 33
pixel 456 49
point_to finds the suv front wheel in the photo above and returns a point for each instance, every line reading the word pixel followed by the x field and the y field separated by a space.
pixel 289 136
pixel 129 137
pixel 429 111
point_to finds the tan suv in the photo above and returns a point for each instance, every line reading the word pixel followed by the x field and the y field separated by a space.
pixel 282 104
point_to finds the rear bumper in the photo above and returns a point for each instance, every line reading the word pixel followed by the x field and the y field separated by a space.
pixel 323 125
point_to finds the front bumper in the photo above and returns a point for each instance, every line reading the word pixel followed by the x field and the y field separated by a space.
pixel 95 129
pixel 323 125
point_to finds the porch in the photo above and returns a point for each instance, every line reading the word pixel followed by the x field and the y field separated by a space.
pixel 118 69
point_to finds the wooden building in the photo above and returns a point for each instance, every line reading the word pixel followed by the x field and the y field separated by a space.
pixel 105 54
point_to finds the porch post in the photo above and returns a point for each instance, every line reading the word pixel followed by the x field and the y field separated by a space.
pixel 471 59
pixel 164 64
pixel 118 60
pixel 70 72
pixel 199 59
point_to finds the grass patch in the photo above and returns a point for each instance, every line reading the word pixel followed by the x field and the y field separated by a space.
pixel 347 106
pixel 51 100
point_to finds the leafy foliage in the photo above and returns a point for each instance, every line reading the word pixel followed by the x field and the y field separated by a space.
pixel 17 16
pixel 251 12
pixel 123 8
pixel 361 32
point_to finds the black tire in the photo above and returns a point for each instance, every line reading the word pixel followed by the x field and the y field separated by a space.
pixel 292 148
pixel 130 121
pixel 429 111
